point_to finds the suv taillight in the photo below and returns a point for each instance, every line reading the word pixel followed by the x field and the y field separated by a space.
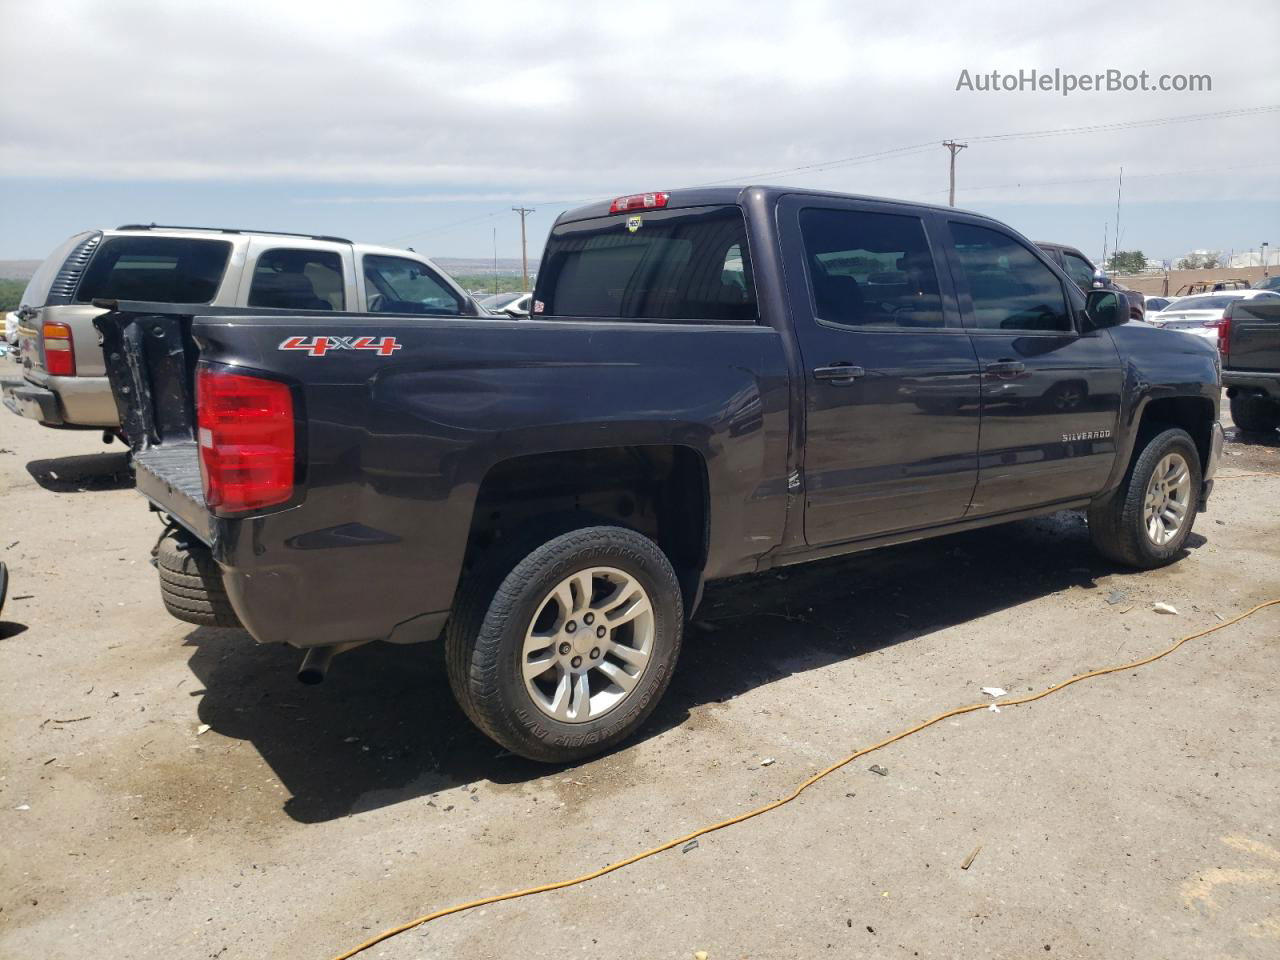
pixel 247 443
pixel 59 349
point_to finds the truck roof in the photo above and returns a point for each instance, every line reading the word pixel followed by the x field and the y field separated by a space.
pixel 715 196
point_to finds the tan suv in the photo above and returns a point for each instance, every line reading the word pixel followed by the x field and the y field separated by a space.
pixel 64 380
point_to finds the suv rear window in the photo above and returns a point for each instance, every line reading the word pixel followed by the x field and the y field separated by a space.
pixel 157 269
pixel 689 264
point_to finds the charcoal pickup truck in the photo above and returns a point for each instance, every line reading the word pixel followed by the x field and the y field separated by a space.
pixel 712 382
pixel 1249 342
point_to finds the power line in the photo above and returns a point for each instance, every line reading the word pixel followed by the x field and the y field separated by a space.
pixel 910 149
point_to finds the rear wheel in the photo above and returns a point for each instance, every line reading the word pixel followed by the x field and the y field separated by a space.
pixel 190 582
pixel 1146 522
pixel 563 652
pixel 1255 414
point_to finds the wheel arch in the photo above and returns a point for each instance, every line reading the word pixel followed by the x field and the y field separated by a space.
pixel 659 490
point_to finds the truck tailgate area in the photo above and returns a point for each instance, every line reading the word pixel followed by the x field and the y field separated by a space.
pixel 169 476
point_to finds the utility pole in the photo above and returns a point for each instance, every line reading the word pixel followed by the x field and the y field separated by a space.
pixel 954 148
pixel 1119 187
pixel 524 247
pixel 495 260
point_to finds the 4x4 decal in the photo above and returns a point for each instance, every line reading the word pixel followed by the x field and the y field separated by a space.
pixel 319 346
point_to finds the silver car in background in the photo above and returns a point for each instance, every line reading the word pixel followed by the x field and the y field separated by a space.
pixel 1202 315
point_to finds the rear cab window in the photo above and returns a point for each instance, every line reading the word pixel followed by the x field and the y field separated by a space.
pixel 682 264
pixel 155 269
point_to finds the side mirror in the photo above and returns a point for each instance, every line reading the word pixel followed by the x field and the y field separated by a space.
pixel 1105 309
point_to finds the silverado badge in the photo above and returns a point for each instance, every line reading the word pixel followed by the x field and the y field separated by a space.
pixel 1087 435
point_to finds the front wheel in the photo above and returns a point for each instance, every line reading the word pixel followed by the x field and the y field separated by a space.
pixel 565 654
pixel 1146 522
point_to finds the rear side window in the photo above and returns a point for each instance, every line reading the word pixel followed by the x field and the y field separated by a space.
pixel 290 279
pixel 1011 288
pixel 157 269
pixel 690 264
pixel 870 269
pixel 397 285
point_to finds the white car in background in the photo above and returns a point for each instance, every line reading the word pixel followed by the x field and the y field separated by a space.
pixel 1201 315
pixel 1156 304
pixel 514 304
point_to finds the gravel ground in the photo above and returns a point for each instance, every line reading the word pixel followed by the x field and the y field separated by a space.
pixel 173 792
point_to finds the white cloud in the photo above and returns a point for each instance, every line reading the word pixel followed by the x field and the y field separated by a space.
pixel 583 99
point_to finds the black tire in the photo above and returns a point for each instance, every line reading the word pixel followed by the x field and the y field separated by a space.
pixel 191 583
pixel 1117 524
pixel 1254 414
pixel 485 636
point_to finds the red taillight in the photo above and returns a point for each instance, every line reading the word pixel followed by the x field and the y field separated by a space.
pixel 59 349
pixel 639 201
pixel 246 436
pixel 1224 335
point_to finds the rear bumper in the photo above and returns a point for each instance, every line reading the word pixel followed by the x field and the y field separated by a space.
pixel 1261 381
pixel 34 403
pixel 65 402
pixel 305 590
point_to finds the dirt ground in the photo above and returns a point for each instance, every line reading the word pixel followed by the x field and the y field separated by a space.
pixel 173 792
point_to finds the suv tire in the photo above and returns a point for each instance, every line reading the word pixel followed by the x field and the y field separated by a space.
pixel 190 582
pixel 599 609
pixel 1254 414
pixel 1161 485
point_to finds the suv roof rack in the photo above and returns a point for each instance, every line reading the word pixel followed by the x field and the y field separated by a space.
pixel 269 233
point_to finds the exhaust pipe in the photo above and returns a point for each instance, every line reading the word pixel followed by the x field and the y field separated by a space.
pixel 315 664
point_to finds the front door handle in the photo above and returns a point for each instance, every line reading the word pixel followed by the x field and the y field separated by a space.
pixel 1005 368
pixel 839 374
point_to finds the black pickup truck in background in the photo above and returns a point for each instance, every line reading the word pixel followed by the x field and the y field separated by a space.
pixel 1249 342
pixel 712 382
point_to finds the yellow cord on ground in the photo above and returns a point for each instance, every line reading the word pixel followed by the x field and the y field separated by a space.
pixel 805 785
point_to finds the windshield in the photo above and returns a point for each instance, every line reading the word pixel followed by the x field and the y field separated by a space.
pixel 684 264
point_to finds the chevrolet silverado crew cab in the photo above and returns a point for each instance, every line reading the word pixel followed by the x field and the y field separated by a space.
pixel 712 382
pixel 64 381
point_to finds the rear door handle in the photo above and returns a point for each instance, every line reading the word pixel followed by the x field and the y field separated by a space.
pixel 839 374
pixel 1005 368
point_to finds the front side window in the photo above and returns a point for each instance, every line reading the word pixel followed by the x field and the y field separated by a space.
pixel 870 269
pixel 1079 270
pixel 682 264
pixel 155 269
pixel 399 285
pixel 289 279
pixel 1011 288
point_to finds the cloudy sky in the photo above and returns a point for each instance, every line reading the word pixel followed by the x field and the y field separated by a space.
pixel 421 123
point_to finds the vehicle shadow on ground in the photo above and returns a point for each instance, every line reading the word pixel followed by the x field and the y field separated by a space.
pixel 384 729
pixel 83 473
pixel 10 629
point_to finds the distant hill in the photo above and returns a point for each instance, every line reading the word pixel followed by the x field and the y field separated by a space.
pixel 23 269
pixel 476 265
